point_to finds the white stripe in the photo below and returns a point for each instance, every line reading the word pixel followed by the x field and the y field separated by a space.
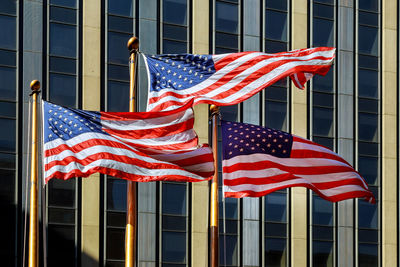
pixel 159 122
pixel 307 146
pixel 185 155
pixel 296 78
pixel 202 167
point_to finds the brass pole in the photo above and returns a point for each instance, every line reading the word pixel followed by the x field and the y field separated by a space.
pixel 130 232
pixel 33 219
pixel 214 191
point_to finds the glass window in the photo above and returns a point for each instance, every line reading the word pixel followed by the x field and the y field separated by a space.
pixel 120 7
pixel 7 187
pixel 174 47
pixel 322 254
pixel 60 14
pixel 226 40
pixel 175 32
pixel 8 83
pixel 117 51
pixel 62 89
pixel 226 17
pixel 174 223
pixel 275 115
pixel 370 5
pixel 231 250
pixel 64 250
pixel 322 121
pixel 8 32
pixel 368 18
pixel 280 5
pixel 368 127
pixel 275 47
pixel 115 236
pixel 120 24
pixel 276 25
pixel 175 11
pixel 117 96
pixel 323 100
pixel 323 11
pixel 174 198
pixel 116 219
pixel 7 138
pixel 369 149
pixel 66 3
pixel 276 93
pixel 324 141
pixel 368 167
pixel 368 40
pixel 323 83
pixel 8 7
pixel 116 194
pixel 117 72
pixel 7 161
pixel 61 193
pixel 58 215
pixel 368 255
pixel 322 32
pixel 322 211
pixel 367 215
pixel 275 252
pixel 174 247
pixel 368 83
pixel 63 65
pixel 369 62
pixel 63 40
pixel 8 58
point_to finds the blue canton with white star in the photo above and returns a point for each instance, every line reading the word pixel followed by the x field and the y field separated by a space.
pixel 66 123
pixel 178 71
pixel 246 139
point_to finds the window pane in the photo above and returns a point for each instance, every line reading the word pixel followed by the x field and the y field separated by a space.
pixel 276 115
pixel 370 5
pixel 275 207
pixel 275 252
pixel 368 127
pixel 226 17
pixel 323 121
pixel 8 58
pixel 229 112
pixel 174 247
pixel 175 11
pixel 174 198
pixel 231 250
pixel 368 168
pixel 116 194
pixel 115 241
pixel 117 51
pixel 231 226
pixel 322 211
pixel 120 24
pixel 63 15
pixel 64 65
pixel 61 245
pixel 368 83
pixel 7 161
pixel 281 5
pixel 226 40
pixel 323 254
pixel 175 32
pixel 367 18
pixel 369 149
pixel 8 6
pixel 276 25
pixel 231 207
pixel 118 96
pixel 367 255
pixel 368 105
pixel 323 11
pixel 66 3
pixel 323 32
pixel 116 219
pixel 62 40
pixel 175 223
pixel 275 229
pixel 174 47
pixel 275 46
pixel 276 93
pixel 323 100
pixel 61 193
pixel 323 83
pixel 57 215
pixel 62 89
pixel 367 215
pixel 369 62
pixel 117 72
pixel 7 138
pixel 368 40
pixel 370 236
pixel 322 233
pixel 121 7
pixel 8 32
pixel 324 141
pixel 7 187
pixel 8 83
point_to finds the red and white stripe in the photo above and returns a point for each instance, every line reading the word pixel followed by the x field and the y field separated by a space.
pixel 239 76
pixel 121 151
pixel 310 165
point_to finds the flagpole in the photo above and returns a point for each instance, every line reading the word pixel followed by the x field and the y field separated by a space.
pixel 214 190
pixel 131 225
pixel 33 219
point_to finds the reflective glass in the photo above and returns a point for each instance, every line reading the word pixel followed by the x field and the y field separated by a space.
pixel 174 223
pixel 116 194
pixel 118 96
pixel 117 52
pixel 175 11
pixel 7 161
pixel 322 254
pixel 275 207
pixel 61 193
pixel 275 229
pixel 324 141
pixel 62 89
pixel 368 62
pixel 322 32
pixel 118 72
pixel 367 255
pixel 231 208
pixel 8 7
pixel 226 17
pixel 367 215
pixel 231 250
pixel 370 5
pixel 7 138
pixel 66 3
pixel 323 11
pixel 276 25
pixel 61 245
pixel 57 215
pixel 229 113
pixel 115 239
pixel 369 236
pixel 324 1
pixel 173 247
pixel 63 15
pixel 174 47
pixel 7 186
pixel 368 168
pixel 120 24
pixel 323 83
pixel 368 83
pixel 276 115
pixel 368 18
pixel 368 105
pixel 231 226
pixel 275 252
pixel 322 121
pixel 116 219
pixel 276 93
pixel 222 50
pixel 64 65
pixel 275 46
pixel 322 233
pixel 323 100
pixel 63 40
pixel 226 40
pixel 322 211
pixel 8 58
pixel 369 149
pixel 8 31
pixel 120 7
pixel 368 40
pixel 174 32
pixel 8 83
pixel 174 198
pixel 281 5
pixel 368 127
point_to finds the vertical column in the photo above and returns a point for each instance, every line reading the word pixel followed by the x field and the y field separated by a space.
pixel 251 206
pixel 91 101
pixel 147 192
pixel 298 216
pixel 345 89
pixel 200 191
pixel 389 122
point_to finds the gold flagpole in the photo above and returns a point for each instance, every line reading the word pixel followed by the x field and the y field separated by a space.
pixel 33 219
pixel 214 191
pixel 130 232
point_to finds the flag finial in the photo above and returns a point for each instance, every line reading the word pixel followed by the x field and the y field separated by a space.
pixel 133 44
pixel 35 86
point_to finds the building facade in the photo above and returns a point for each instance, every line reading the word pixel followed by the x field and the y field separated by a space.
pixel 77 49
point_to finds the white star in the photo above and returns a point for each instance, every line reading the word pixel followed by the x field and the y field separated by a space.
pixel 80 129
pixel 201 76
pixel 179 66
pixel 209 69
pixel 75 125
pixel 50 111
pixel 59 108
pixel 158 74
pixel 158 81
pixel 195 74
pixel 163 77
pixel 156 64
pixel 174 74
pixel 81 120
pixel 61 126
pixel 50 127
pixel 173 64
pixel 185 79
pixel 190 71
pixel 162 68
pixel 50 135
pixel 50 119
pixel 166 61
pixel 184 69
pixel 193 63
pixel 65 130
pixel 60 116
pixel 55 114
pixel 91 128
pixel 204 67
pixel 70 132
pixel 190 81
pixel 65 119
pixel 55 122
pixel 187 60
pixel 168 71
pixel 61 135
pixel 71 114
pixel 199 65
pixel 76 117
pixel 180 76
pixel 55 131
pixel 169 81
pixel 65 111
pixel 179 86
pixel 87 124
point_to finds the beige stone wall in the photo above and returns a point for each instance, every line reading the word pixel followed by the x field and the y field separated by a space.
pixel 298 216
pixel 91 101
pixel 200 196
pixel 389 122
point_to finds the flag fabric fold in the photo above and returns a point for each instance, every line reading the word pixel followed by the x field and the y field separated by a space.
pixel 141 146
pixel 259 160
pixel 227 79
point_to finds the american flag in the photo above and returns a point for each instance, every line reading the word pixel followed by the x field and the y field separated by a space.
pixel 259 160
pixel 227 79
pixel 142 146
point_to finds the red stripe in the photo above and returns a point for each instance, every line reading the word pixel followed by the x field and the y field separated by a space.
pixel 190 161
pixel 153 132
pixel 184 145
pixel 303 153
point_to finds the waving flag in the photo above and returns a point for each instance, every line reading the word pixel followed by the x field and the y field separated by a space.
pixel 259 160
pixel 227 79
pixel 146 146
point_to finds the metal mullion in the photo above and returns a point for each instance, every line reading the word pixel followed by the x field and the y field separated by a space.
pixel 118 15
pixel 62 23
pixel 8 66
